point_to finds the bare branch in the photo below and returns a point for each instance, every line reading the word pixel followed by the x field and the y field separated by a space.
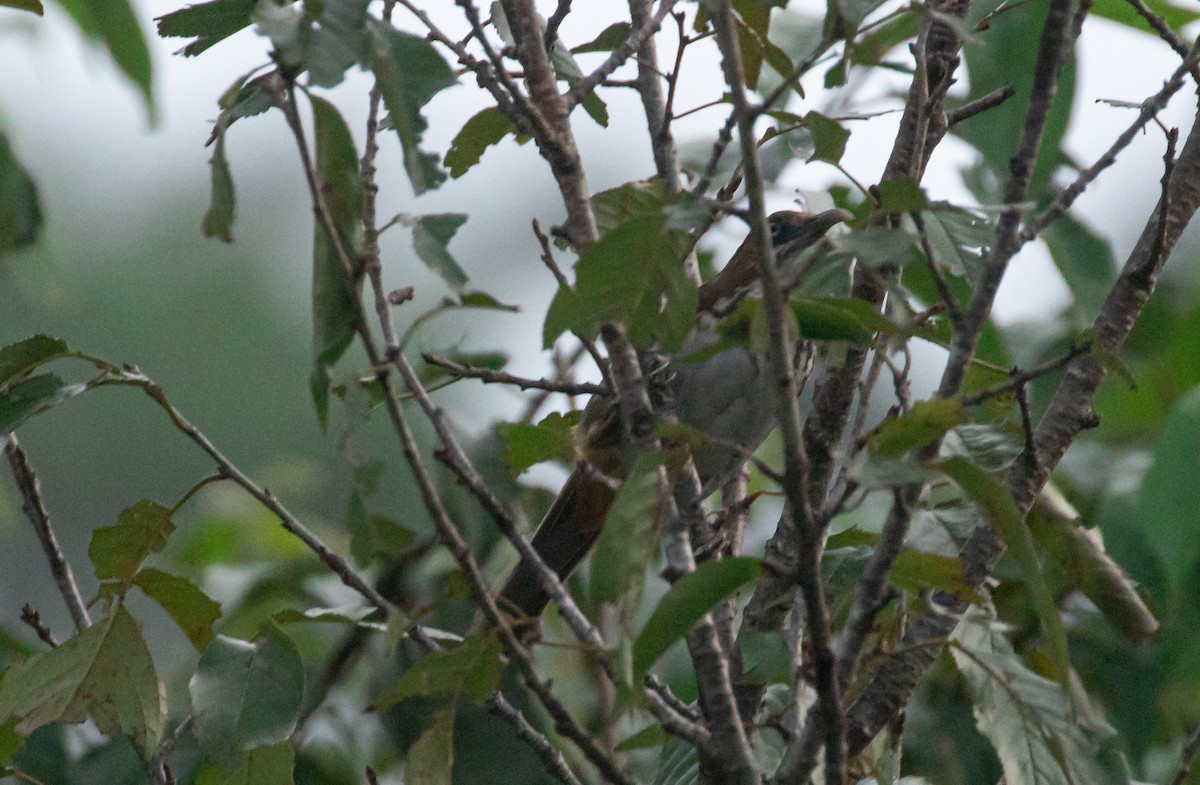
pixel 488 376
pixel 35 510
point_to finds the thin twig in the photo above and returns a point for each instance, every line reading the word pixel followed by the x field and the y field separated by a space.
pixel 1150 107
pixel 623 52
pixel 555 21
pixel 1019 378
pixel 33 620
pixel 31 503
pixel 780 354
pixel 551 758
pixel 489 376
pixel 1165 32
pixel 1186 755
pixel 952 307
pixel 979 105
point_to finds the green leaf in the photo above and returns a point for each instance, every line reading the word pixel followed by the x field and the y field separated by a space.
pixel 996 503
pixel 325 43
pixel 1040 736
pixel 1086 262
pixel 921 571
pixel 766 657
pixel 1007 60
pixel 609 39
pixel 20 208
pixel 901 194
pixel 636 198
pixel 477 135
pixel 1123 13
pixel 105 671
pixel 958 239
pixel 628 543
pixel 678 763
pixel 335 305
pixel 118 551
pixel 10 741
pixel 218 219
pixel 208 23
pixel 472 669
pixel 410 72
pixel 829 138
pixel 431 759
pixel 431 235
pixel 113 23
pixel 551 439
pixel 193 610
pixel 246 694
pixel 1166 511
pixel 753 21
pixel 21 400
pixel 33 6
pixel 840 319
pixel 646 738
pixel 623 278
pixel 1087 566
pixel 18 359
pixel 595 108
pixel 269 765
pixel 686 602
pixel 926 421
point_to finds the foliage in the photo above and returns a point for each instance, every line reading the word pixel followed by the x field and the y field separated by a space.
pixel 1065 613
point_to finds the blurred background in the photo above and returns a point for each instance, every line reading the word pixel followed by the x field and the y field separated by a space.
pixel 122 270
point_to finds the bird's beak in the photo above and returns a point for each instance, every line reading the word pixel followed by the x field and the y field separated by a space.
pixel 809 232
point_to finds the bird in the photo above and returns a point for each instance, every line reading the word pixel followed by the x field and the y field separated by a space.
pixel 728 396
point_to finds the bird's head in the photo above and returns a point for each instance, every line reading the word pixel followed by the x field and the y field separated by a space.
pixel 792 231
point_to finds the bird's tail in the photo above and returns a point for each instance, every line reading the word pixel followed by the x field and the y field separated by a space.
pixel 569 530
